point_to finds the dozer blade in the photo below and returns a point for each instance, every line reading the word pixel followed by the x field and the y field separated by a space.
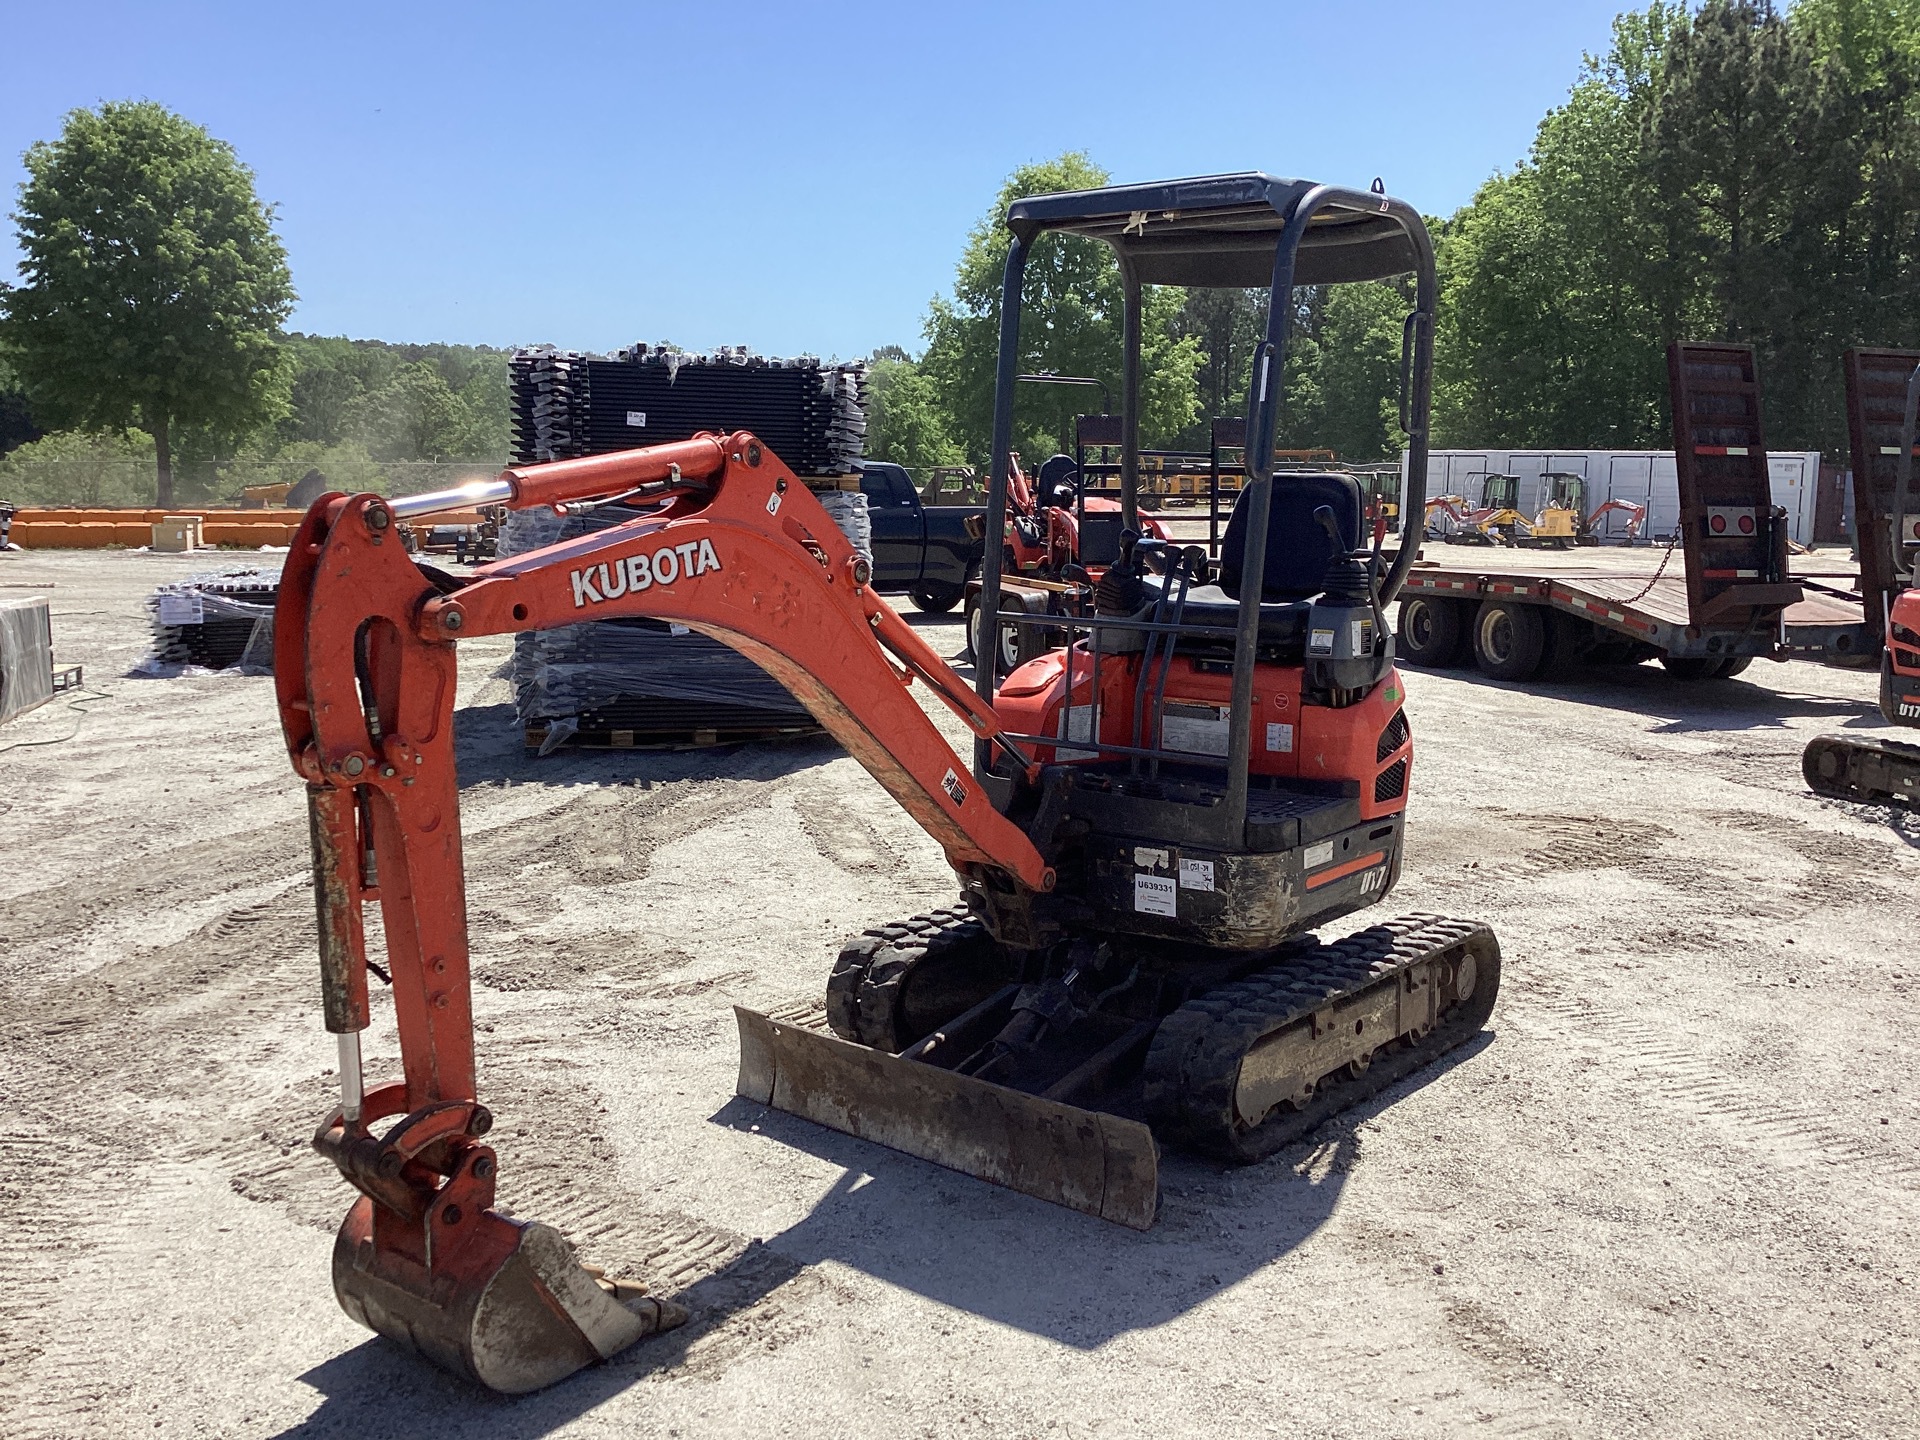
pixel 1083 1159
pixel 512 1309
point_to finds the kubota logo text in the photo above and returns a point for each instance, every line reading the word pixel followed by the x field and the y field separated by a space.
pixel 611 580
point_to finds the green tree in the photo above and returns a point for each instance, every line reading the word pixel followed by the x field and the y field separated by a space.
pixel 1227 326
pixel 1070 322
pixel 1732 173
pixel 1752 160
pixel 414 416
pixel 1556 305
pixel 154 286
pixel 905 423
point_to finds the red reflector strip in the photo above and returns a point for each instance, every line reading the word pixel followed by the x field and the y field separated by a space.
pixel 1340 872
pixel 1719 449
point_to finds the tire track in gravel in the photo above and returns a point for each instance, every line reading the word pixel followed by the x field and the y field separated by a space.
pixel 69 1197
pixel 1473 1376
pixel 1695 1086
pixel 104 911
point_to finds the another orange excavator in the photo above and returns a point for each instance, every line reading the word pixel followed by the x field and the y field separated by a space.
pixel 1156 816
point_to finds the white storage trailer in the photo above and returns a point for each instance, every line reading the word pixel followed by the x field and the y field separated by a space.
pixel 1644 477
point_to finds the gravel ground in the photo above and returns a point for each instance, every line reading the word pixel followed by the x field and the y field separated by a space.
pixel 1672 1192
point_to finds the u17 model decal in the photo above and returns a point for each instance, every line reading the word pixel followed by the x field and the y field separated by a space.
pixel 614 578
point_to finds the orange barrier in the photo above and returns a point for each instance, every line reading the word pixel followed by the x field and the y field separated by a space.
pixel 61 528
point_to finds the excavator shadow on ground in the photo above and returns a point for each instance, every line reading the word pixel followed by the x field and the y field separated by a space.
pixel 910 1224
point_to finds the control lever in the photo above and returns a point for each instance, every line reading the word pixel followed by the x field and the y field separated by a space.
pixel 1344 570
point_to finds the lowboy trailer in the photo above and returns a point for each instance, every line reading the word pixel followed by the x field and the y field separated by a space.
pixel 1734 598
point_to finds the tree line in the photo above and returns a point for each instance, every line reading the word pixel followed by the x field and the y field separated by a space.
pixel 1729 172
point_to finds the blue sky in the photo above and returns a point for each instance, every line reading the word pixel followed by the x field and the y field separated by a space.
pixel 792 177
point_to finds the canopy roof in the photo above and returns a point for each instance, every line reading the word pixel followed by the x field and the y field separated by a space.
pixel 1221 230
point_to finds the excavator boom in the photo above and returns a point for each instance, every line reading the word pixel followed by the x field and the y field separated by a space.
pixel 734 547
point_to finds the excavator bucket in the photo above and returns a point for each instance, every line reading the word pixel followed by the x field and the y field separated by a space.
pixel 1083 1159
pixel 510 1309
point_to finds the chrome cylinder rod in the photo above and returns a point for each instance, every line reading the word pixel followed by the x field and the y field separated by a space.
pixel 461 497
pixel 351 1095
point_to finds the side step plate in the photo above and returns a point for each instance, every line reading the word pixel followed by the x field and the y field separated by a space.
pixel 1086 1160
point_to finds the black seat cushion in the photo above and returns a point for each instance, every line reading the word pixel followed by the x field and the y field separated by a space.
pixel 1281 623
pixel 1298 551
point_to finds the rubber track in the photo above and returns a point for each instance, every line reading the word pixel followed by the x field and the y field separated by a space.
pixel 1869 772
pixel 864 990
pixel 1193 1065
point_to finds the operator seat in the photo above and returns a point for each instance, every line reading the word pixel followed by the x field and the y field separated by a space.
pixel 1298 556
pixel 1058 481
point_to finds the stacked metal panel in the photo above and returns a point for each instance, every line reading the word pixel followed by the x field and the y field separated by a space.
pixel 26 655
pixel 214 622
pixel 809 413
pixel 634 681
pixel 549 404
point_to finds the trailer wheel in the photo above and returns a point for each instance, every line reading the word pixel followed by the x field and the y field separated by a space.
pixel 1432 631
pixel 1009 639
pixel 1509 639
pixel 1733 665
pixel 1569 639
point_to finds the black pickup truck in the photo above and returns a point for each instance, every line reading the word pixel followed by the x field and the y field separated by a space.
pixel 923 550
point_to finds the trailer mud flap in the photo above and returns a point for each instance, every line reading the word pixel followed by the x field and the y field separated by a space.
pixel 1086 1160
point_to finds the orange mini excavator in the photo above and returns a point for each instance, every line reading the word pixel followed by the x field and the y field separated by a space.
pixel 1157 815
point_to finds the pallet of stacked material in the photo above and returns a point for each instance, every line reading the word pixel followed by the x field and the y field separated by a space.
pixel 214 622
pixel 26 655
pixel 809 413
pixel 549 402
pixel 634 682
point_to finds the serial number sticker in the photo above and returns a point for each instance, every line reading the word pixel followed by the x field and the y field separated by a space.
pixel 1318 855
pixel 1195 729
pixel 1149 859
pixel 1279 739
pixel 1196 874
pixel 637 417
pixel 1154 895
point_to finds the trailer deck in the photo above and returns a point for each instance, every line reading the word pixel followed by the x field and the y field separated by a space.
pixel 1622 591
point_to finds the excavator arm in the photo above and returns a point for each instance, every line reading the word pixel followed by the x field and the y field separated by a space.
pixel 735 547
